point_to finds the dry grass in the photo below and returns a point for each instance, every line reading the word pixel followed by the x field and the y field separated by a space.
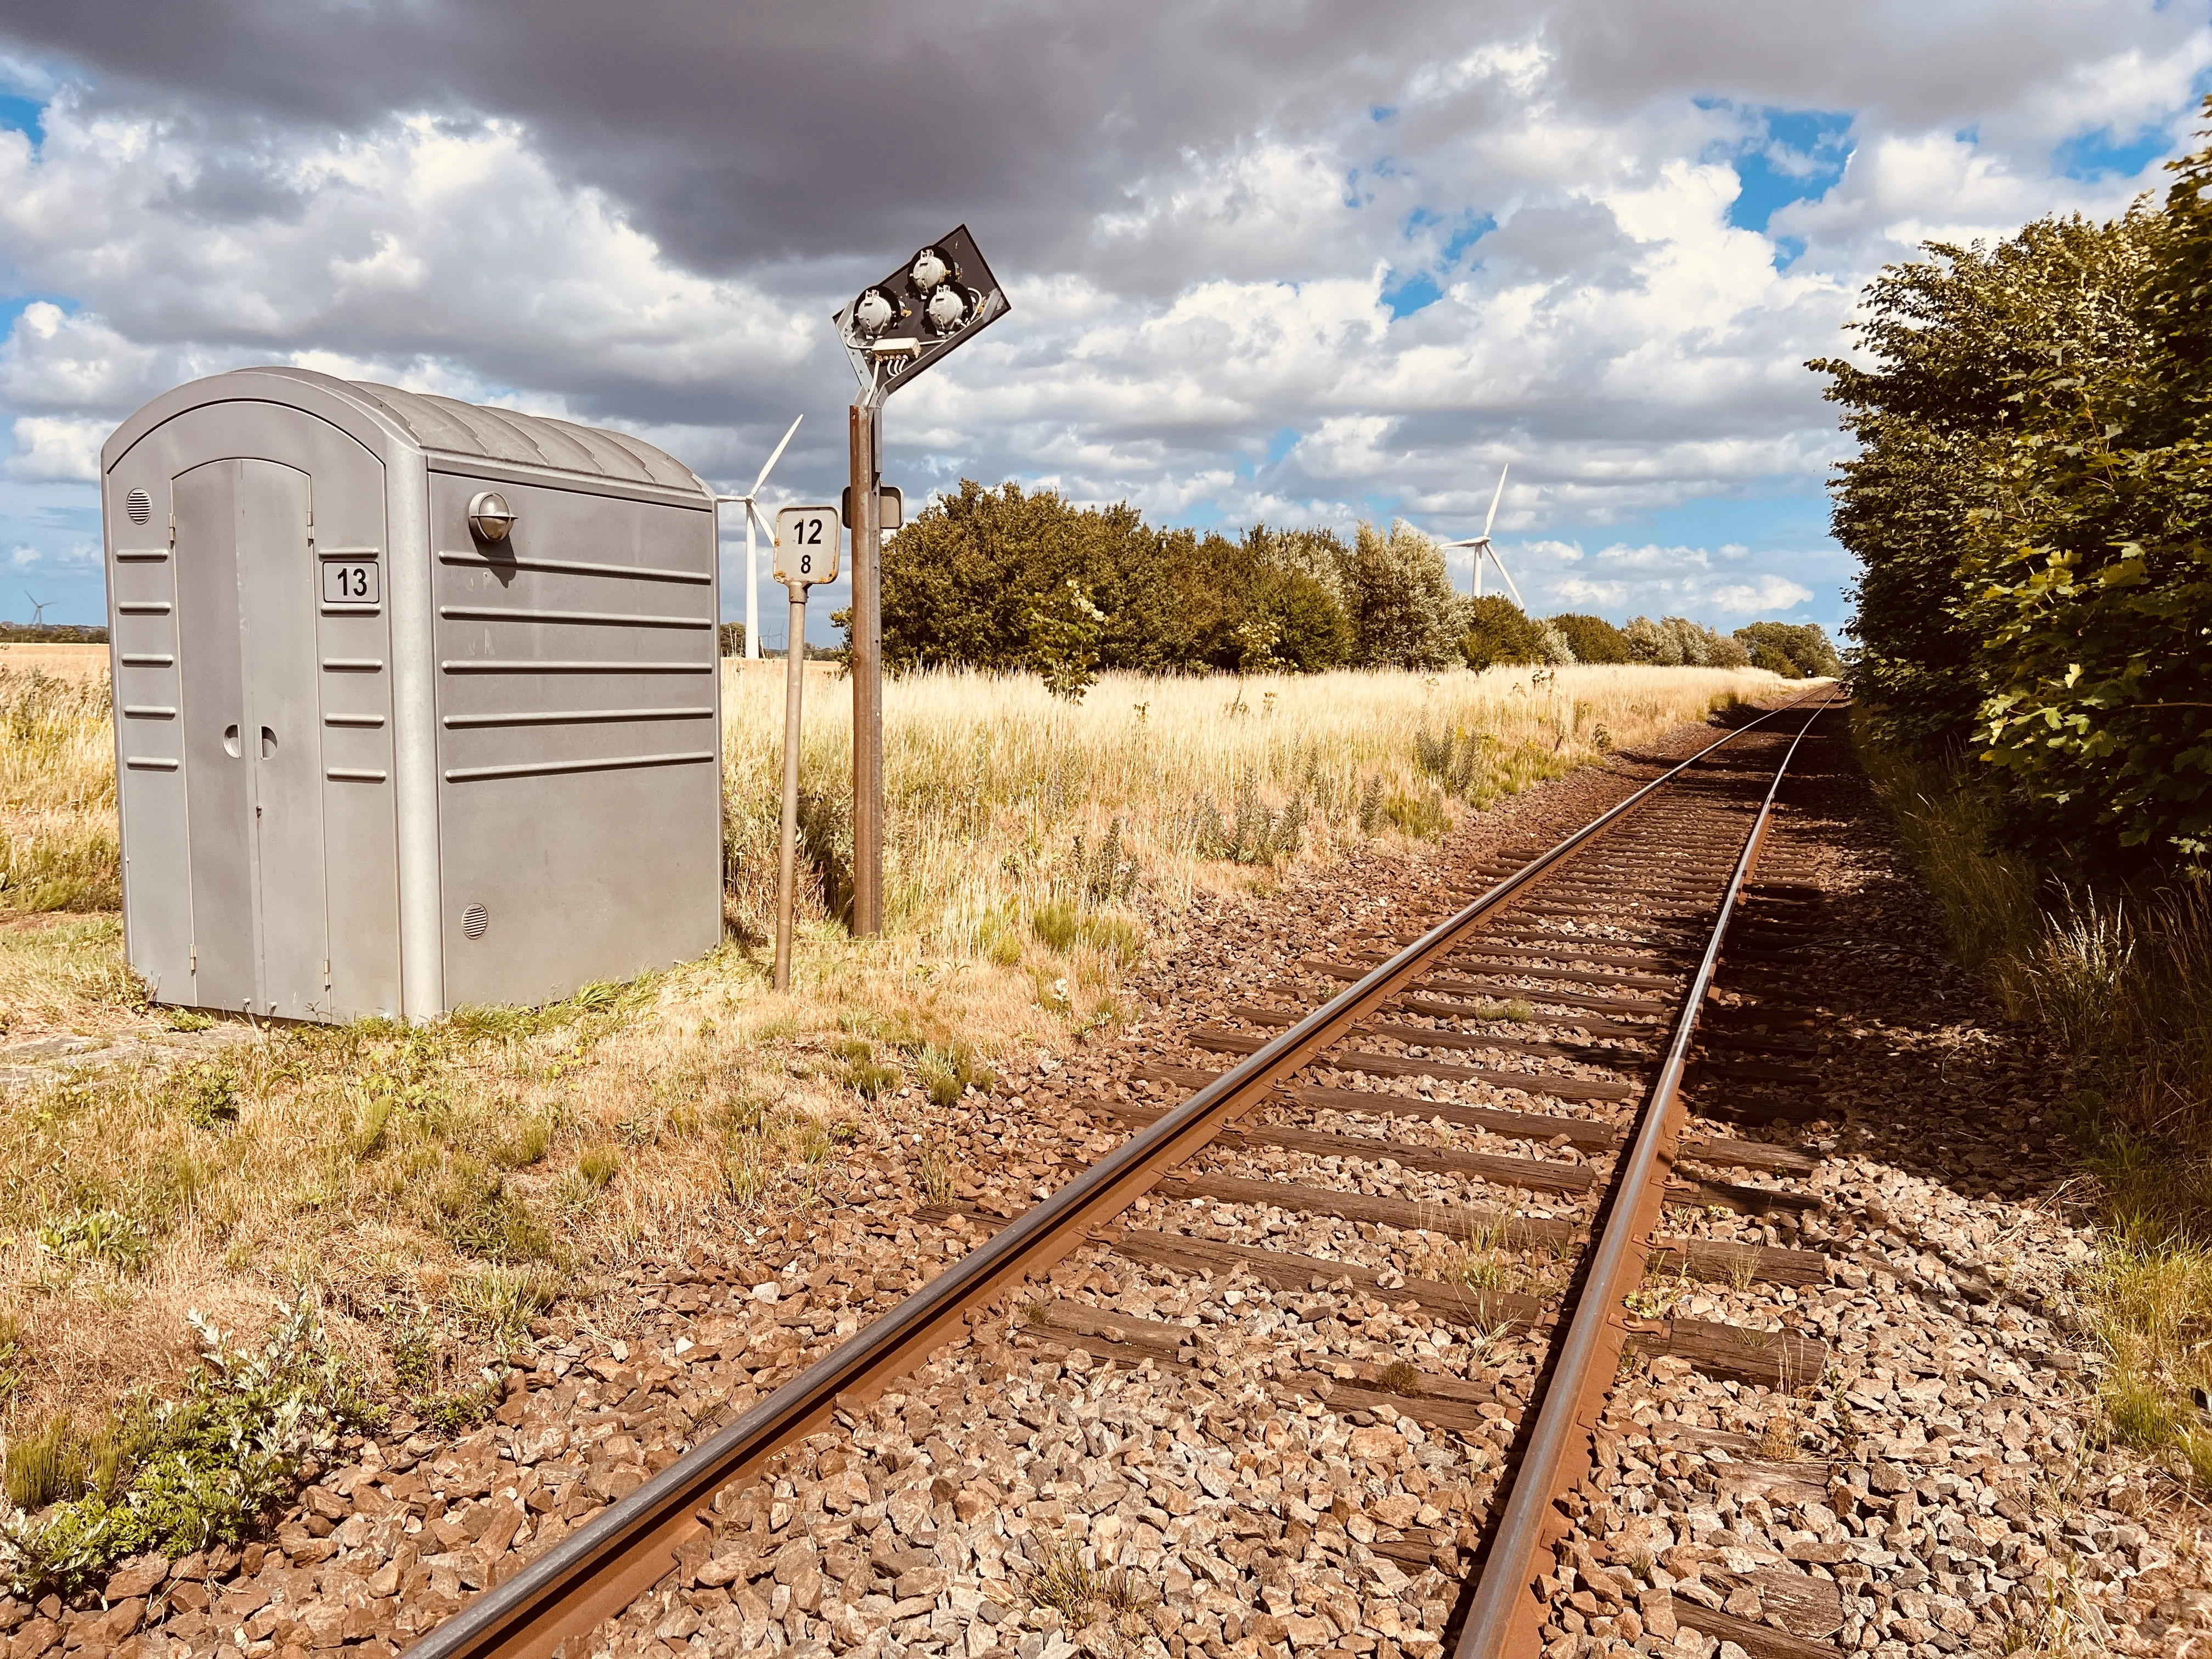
pixel 58 840
pixel 431 1188
pixel 1002 800
pixel 61 662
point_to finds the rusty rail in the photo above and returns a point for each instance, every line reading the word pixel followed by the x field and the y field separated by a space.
pixel 1505 1617
pixel 622 1552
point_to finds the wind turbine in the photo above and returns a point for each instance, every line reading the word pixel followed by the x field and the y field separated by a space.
pixel 37 609
pixel 1483 550
pixel 752 550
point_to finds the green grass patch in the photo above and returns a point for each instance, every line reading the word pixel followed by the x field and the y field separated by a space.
pixel 212 1466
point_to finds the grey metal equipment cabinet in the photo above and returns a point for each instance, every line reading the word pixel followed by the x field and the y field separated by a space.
pixel 379 752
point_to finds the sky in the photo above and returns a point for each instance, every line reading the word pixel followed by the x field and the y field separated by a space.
pixel 1269 260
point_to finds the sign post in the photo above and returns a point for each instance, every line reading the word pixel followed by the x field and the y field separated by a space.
pixel 944 295
pixel 805 553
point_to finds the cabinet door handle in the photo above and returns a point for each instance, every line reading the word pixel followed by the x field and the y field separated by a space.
pixel 268 743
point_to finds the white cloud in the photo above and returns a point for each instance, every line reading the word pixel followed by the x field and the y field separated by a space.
pixel 1658 579
pixel 1204 229
pixel 52 447
pixel 426 240
pixel 1765 596
pixel 75 559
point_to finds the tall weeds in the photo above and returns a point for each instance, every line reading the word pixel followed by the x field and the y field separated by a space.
pixel 57 841
pixel 2120 980
pixel 992 786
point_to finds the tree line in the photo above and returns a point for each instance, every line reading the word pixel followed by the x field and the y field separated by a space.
pixel 1007 579
pixel 2030 501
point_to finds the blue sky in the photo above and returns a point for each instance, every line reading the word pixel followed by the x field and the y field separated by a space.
pixel 1596 244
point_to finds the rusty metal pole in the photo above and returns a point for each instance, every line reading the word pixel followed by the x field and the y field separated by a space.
pixel 787 854
pixel 867 664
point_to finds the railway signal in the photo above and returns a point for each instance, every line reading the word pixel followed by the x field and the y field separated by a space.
pixel 937 300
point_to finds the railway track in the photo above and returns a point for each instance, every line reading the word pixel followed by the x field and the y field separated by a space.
pixel 1446 1165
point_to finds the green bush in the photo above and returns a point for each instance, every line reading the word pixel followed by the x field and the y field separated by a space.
pixel 1796 651
pixel 1676 641
pixel 1498 633
pixel 1592 639
pixel 2034 469
pixel 966 582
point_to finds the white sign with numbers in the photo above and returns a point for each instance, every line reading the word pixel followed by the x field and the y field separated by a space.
pixel 806 545
pixel 349 581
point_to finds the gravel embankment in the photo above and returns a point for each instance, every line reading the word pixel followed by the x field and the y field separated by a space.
pixel 1028 1495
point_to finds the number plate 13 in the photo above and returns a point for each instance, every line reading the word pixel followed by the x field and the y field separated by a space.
pixel 349 582
pixel 806 545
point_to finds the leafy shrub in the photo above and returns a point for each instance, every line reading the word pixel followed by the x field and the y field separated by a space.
pixel 1592 639
pixel 1553 645
pixel 2035 465
pixel 1498 633
pixel 1676 641
pixel 965 580
pixel 1404 612
pixel 1063 630
pixel 207 1092
pixel 98 1234
pixel 1796 651
pixel 210 1467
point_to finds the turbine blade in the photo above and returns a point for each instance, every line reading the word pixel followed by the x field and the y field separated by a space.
pixel 753 519
pixel 1495 495
pixel 775 456
pixel 1508 575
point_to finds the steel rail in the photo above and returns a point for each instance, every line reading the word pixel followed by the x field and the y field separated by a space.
pixel 626 1548
pixel 1506 1614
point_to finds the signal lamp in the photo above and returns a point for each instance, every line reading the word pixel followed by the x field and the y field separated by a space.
pixel 947 309
pixel 874 312
pixel 929 269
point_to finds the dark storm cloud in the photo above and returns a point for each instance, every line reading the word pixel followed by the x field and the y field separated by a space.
pixel 767 133
pixel 639 214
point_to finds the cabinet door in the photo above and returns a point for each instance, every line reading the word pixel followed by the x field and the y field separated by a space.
pixel 252 737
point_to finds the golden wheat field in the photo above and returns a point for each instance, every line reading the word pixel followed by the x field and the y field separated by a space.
pixel 431 1188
